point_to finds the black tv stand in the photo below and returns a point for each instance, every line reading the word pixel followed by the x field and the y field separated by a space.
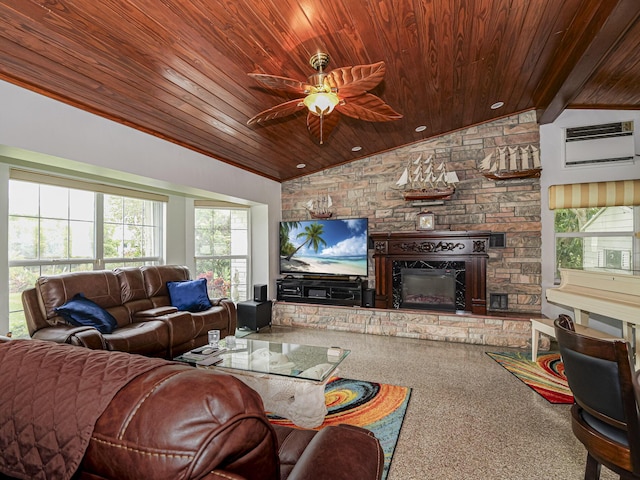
pixel 320 290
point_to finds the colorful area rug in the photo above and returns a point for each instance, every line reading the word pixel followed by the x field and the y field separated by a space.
pixel 545 376
pixel 378 407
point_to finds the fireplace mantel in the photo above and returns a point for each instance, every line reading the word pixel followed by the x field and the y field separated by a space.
pixel 470 247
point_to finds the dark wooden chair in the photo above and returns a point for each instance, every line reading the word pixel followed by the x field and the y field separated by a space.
pixel 604 416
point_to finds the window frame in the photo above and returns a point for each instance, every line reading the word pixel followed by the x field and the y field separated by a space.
pixel 635 240
pixel 246 257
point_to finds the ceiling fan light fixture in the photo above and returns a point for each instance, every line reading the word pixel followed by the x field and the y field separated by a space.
pixel 321 103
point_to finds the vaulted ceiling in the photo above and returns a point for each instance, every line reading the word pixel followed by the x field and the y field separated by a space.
pixel 178 68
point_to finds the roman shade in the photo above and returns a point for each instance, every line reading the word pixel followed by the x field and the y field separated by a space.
pixel 78 184
pixel 595 194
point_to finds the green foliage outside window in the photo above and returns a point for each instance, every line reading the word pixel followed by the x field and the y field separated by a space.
pixel 570 250
pixel 221 247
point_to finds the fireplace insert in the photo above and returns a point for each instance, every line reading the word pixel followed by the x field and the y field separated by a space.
pixel 431 289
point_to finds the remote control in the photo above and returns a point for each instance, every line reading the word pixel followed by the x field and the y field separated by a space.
pixel 200 349
pixel 207 362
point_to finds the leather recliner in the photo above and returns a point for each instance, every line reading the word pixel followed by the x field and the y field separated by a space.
pixel 139 301
pixel 171 421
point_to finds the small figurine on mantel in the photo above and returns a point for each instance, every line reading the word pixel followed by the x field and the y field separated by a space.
pixel 320 207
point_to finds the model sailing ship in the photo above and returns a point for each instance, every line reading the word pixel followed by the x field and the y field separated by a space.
pixel 507 163
pixel 319 208
pixel 422 181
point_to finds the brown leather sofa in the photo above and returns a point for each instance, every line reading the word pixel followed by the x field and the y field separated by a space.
pixel 139 301
pixel 171 421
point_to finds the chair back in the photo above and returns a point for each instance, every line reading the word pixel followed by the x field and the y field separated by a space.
pixel 600 374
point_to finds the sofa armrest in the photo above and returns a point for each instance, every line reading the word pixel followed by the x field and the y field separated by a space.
pixel 341 452
pixel 215 301
pixel 153 313
pixel 232 313
pixel 81 336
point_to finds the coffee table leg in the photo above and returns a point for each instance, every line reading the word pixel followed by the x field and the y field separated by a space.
pixel 300 401
pixel 307 408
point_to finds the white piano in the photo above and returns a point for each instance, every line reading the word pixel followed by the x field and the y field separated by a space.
pixel 612 295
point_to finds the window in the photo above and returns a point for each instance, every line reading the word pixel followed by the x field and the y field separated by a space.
pixel 132 231
pixel 222 251
pixel 56 229
pixel 597 238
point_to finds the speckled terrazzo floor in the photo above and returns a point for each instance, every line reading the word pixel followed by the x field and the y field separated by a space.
pixel 468 418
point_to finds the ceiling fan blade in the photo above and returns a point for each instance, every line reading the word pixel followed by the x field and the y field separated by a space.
pixel 321 127
pixel 281 83
pixel 279 111
pixel 354 81
pixel 369 108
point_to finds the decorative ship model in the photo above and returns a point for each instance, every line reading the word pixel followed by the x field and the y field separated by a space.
pixel 319 208
pixel 422 181
pixel 508 163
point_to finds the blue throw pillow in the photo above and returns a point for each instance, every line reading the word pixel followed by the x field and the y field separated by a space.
pixel 80 311
pixel 190 295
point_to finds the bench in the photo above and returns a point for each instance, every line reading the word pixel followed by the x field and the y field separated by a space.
pixel 545 325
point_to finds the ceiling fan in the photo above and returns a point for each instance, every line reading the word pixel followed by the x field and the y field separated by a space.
pixel 343 90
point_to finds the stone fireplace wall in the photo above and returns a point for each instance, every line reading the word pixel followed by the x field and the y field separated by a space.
pixel 366 188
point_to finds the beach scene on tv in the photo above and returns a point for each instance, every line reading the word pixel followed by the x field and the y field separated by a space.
pixel 332 247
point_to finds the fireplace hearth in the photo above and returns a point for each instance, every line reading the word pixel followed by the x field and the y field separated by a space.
pixel 443 271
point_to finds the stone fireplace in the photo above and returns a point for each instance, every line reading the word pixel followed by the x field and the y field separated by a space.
pixel 441 270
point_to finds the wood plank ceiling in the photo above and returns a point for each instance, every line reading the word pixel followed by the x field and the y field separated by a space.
pixel 178 68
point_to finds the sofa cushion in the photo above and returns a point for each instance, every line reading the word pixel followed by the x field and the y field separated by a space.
pixel 101 286
pixel 190 295
pixel 150 338
pixel 156 278
pixel 80 311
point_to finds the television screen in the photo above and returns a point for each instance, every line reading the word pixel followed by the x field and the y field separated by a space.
pixel 324 247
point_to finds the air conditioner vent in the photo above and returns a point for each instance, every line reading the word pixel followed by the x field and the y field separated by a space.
pixel 599 131
pixel 599 144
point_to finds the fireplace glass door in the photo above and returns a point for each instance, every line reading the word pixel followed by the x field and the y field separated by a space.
pixel 431 289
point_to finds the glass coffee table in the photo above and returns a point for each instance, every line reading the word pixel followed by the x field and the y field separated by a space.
pixel 289 377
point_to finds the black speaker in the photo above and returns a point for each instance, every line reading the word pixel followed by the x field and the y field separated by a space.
pixel 369 297
pixel 259 293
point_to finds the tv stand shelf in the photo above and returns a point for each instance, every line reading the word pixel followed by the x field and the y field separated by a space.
pixel 320 291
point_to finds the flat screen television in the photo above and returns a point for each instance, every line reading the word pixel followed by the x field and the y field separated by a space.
pixel 324 247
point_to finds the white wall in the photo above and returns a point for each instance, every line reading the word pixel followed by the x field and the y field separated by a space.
pixel 38 132
pixel 554 173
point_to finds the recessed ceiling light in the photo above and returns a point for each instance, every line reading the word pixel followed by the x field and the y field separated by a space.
pixel 301 165
pixel 421 128
pixel 356 149
pixel 497 105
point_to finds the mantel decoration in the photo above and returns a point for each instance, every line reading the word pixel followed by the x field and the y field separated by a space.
pixel 425 221
pixel 511 162
pixel 421 180
pixel 320 207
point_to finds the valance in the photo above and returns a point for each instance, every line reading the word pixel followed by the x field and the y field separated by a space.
pixel 595 194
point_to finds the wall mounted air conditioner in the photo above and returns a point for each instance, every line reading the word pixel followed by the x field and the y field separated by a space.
pixel 599 144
